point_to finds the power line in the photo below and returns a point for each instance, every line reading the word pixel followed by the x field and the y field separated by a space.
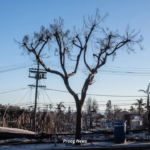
pixel 14 90
pixel 16 68
pixel 42 95
pixel 29 94
pixel 111 69
pixel 57 64
pixel 24 96
pixel 98 94
pixel 82 65
pixel 48 97
pixel 78 93
pixel 14 65
pixel 111 101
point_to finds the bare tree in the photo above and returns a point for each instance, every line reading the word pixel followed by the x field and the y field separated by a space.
pixel 91 105
pixel 109 110
pixel 66 41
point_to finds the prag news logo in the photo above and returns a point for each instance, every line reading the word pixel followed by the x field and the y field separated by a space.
pixel 73 141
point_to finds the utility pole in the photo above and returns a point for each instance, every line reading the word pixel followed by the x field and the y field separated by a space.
pixel 37 74
pixel 36 91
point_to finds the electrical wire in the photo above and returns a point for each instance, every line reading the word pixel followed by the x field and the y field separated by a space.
pixel 48 97
pixel 14 90
pixel 105 70
pixel 20 67
pixel 29 95
pixel 98 102
pixel 23 97
pixel 97 94
pixel 15 64
pixel 42 95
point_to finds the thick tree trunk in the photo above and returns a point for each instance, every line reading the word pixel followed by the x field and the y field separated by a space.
pixel 78 124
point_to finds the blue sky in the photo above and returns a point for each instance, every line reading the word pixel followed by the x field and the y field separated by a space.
pixel 19 18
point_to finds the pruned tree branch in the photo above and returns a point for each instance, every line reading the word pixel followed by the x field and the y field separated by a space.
pixel 61 54
pixel 103 61
pixel 42 47
pixel 48 69
pixel 76 44
pixel 85 49
pixel 79 41
pixel 77 63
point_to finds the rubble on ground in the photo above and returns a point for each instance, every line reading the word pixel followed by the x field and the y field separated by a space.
pixel 91 137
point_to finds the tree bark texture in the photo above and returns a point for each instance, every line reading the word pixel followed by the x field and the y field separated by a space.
pixel 78 123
